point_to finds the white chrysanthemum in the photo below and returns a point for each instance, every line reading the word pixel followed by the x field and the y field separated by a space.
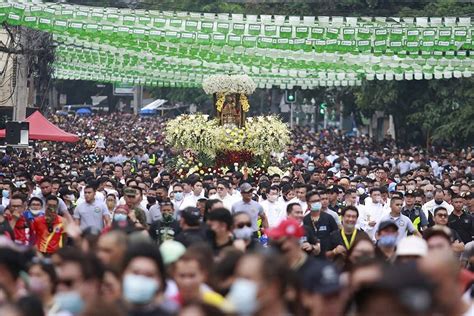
pixel 241 84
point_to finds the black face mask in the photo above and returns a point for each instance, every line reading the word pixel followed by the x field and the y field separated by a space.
pixel 151 200
pixel 166 183
pixel 159 199
pixel 439 202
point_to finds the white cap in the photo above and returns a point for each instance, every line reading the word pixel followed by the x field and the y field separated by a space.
pixel 412 246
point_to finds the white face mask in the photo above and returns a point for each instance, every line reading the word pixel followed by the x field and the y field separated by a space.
pixel 243 295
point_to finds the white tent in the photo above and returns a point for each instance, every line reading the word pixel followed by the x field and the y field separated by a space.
pixel 155 105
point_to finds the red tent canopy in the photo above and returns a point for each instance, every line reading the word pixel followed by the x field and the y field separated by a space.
pixel 42 129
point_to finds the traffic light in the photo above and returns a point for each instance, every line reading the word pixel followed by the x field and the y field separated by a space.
pixel 290 96
pixel 322 108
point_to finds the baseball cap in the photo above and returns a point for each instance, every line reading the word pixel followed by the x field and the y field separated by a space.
pixel 246 188
pixel 191 215
pixel 130 191
pixel 171 251
pixel 385 224
pixel 412 246
pixel 286 228
pixel 322 278
pixel 410 193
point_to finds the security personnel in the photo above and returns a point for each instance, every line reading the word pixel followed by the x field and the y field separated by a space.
pixel 460 220
pixel 152 157
pixel 413 211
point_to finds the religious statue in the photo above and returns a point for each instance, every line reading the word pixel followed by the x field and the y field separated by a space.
pixel 229 110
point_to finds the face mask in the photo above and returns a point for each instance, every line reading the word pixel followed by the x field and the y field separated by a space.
pixel 311 168
pixel 272 198
pixel 5 194
pixel 35 212
pixel 70 301
pixel 166 183
pixel 387 241
pixel 244 233
pixel 316 207
pixel 243 295
pixel 74 173
pixel 439 202
pixel 429 195
pixel 19 183
pixel 397 180
pixel 139 289
pixel 151 199
pixel 178 196
pixel 119 217
pixel 167 218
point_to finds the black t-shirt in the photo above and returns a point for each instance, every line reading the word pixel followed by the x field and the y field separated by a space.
pixel 463 225
pixel 192 236
pixel 322 229
pixel 336 238
pixel 309 237
pixel 217 248
pixel 161 231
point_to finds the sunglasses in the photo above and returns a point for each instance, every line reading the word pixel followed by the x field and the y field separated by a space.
pixel 442 215
pixel 242 225
pixel 66 282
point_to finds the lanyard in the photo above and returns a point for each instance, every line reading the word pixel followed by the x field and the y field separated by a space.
pixel 344 238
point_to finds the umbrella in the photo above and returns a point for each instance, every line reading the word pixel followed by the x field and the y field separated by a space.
pixel 84 111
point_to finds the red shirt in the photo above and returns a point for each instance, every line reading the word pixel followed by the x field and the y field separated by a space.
pixel 48 240
pixel 21 229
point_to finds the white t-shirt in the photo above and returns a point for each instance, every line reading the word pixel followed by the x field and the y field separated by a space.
pixel 275 212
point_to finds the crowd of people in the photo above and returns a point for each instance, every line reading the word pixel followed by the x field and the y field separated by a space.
pixel 353 227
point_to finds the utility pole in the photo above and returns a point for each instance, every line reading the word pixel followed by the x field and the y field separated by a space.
pixel 137 99
pixel 20 96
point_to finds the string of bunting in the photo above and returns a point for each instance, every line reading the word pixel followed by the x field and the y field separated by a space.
pixel 141 46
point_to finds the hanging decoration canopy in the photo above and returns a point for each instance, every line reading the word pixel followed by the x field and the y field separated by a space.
pixel 181 49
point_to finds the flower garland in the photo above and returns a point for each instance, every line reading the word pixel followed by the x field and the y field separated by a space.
pixel 227 84
pixel 261 136
pixel 244 101
pixel 220 101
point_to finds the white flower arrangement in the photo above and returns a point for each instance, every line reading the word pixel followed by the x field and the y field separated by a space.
pixel 261 136
pixel 225 84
